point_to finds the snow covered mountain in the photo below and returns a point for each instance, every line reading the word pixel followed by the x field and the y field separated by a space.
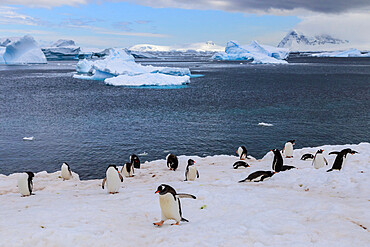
pixel 296 41
pixel 208 46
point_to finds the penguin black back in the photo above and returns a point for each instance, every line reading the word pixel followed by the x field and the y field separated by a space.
pixel 277 163
pixel 240 163
pixel 338 162
pixel 134 159
pixel 258 176
pixel 172 162
pixel 29 180
pixel 307 156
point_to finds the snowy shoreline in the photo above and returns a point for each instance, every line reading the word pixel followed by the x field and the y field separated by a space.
pixel 300 207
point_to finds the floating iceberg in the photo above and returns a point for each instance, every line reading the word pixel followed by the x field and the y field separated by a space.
pixel 254 52
pixel 120 68
pixel 346 53
pixel 62 50
pixel 22 51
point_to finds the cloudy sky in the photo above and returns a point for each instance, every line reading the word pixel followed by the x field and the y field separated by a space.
pixel 103 23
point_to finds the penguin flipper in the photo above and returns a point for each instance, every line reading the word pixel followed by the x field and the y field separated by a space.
pixel 102 185
pixel 326 162
pixel 120 177
pixel 182 195
pixel 183 219
pixel 241 181
pixel 197 174
pixel 330 170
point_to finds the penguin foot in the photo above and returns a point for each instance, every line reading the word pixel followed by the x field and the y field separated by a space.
pixel 175 224
pixel 160 223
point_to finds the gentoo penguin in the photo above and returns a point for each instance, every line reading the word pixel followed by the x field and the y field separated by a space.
pixel 191 171
pixel 169 201
pixel 242 152
pixel 134 159
pixel 258 176
pixel 338 162
pixel 25 184
pixel 307 156
pixel 319 160
pixel 172 162
pixel 128 170
pixel 288 149
pixel 277 163
pixel 113 178
pixel 66 171
pixel 240 163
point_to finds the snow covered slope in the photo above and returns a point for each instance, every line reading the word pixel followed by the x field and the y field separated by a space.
pixel 346 53
pixel 253 52
pixel 23 50
pixel 301 207
pixel 120 68
pixel 296 41
pixel 208 46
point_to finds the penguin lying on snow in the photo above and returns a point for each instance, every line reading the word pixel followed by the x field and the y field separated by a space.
pixel 66 171
pixel 338 162
pixel 169 201
pixel 307 156
pixel 239 163
pixel 258 176
pixel 25 184
pixel 134 159
pixel 319 160
pixel 191 171
pixel 242 152
pixel 277 163
pixel 288 149
pixel 127 170
pixel 113 178
pixel 172 162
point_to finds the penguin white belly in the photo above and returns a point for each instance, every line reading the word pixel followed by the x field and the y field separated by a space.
pixel 319 162
pixel 192 173
pixel 288 149
pixel 169 207
pixel 125 173
pixel 113 181
pixel 65 172
pixel 23 184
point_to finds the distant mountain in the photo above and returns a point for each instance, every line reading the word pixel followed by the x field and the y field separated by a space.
pixel 296 41
pixel 208 46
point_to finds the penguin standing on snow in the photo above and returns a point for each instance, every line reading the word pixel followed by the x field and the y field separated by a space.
pixel 307 156
pixel 127 170
pixel 242 152
pixel 172 162
pixel 113 179
pixel 338 162
pixel 191 171
pixel 25 184
pixel 134 159
pixel 319 160
pixel 258 176
pixel 169 201
pixel 277 163
pixel 66 171
pixel 288 149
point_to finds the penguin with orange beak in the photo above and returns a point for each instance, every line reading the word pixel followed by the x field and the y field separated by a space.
pixel 242 152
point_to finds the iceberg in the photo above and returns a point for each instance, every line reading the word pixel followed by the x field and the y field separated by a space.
pixel 23 50
pixel 346 53
pixel 119 68
pixel 254 52
pixel 62 50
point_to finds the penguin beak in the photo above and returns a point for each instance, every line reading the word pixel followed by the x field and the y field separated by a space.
pixel 156 192
pixel 271 150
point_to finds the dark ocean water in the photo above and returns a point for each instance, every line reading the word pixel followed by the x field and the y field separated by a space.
pixel 90 125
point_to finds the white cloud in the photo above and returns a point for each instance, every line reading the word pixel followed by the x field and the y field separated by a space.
pixel 353 27
pixel 44 3
pixel 9 16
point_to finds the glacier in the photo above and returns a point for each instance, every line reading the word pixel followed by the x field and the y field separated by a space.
pixel 258 54
pixel 346 53
pixel 120 69
pixel 201 47
pixel 23 50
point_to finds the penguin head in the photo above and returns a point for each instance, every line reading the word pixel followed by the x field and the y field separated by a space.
pixel 190 162
pixel 128 164
pixel 164 189
pixel 65 163
pixel 275 150
pixel 292 142
pixel 133 157
pixel 30 175
pixel 320 151
pixel 114 166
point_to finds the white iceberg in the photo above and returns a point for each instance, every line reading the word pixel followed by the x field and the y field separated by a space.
pixel 253 52
pixel 265 124
pixel 23 50
pixel 62 50
pixel 346 53
pixel 120 67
